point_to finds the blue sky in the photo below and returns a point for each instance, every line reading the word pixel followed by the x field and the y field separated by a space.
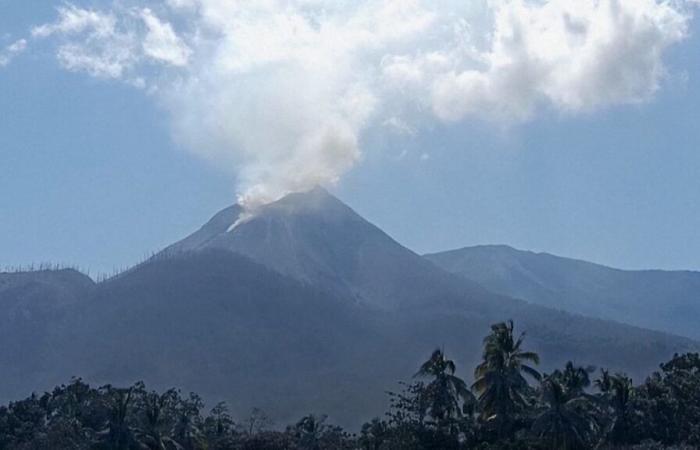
pixel 94 173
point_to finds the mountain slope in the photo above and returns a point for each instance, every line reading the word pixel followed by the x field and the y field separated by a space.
pixel 230 329
pixel 663 300
pixel 31 303
pixel 316 239
pixel 221 325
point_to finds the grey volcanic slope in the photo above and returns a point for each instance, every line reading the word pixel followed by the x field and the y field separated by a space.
pixel 206 318
pixel 655 299
pixel 223 326
pixel 316 239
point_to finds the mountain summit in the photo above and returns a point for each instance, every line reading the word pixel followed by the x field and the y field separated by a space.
pixel 315 238
pixel 230 225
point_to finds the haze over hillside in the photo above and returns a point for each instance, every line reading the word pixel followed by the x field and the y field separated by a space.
pixel 656 299
pixel 306 307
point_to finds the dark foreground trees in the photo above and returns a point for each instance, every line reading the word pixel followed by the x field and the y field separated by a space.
pixel 503 390
pixel 509 406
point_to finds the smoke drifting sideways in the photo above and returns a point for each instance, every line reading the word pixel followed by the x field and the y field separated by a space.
pixel 281 92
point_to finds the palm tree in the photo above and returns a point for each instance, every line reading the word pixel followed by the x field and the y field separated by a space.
pixel 604 382
pixel 566 421
pixel 575 379
pixel 500 381
pixel 618 393
pixel 446 397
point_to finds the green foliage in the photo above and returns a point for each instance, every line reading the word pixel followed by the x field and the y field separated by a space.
pixel 515 408
pixel 668 403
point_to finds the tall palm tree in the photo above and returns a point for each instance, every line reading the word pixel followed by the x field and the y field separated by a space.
pixel 566 422
pixel 446 397
pixel 618 393
pixel 500 381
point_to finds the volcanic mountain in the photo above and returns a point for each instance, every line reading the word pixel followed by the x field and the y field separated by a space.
pixel 316 239
pixel 302 307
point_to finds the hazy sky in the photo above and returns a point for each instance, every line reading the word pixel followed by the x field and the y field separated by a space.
pixel 561 128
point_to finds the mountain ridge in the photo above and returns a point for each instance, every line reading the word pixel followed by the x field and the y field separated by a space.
pixel 555 256
pixel 654 299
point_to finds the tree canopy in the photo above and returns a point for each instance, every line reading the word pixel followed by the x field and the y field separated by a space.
pixel 510 405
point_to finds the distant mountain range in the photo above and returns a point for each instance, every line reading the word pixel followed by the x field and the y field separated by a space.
pixel 303 307
pixel 656 299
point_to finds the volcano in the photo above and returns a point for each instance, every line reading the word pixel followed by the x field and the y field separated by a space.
pixel 301 307
pixel 316 239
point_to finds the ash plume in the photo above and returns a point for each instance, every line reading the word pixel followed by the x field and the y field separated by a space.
pixel 281 93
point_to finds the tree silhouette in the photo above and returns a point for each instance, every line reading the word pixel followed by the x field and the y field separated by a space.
pixel 446 397
pixel 618 393
pixel 566 418
pixel 560 413
pixel 500 381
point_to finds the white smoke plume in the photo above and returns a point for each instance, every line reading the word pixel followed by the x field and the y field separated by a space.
pixel 281 92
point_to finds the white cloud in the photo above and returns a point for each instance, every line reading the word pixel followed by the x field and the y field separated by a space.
pixel 282 91
pixel 399 126
pixel 72 20
pixel 181 4
pixel 90 41
pixel 17 47
pixel 11 51
pixel 161 42
pixel 568 54
pixel 112 44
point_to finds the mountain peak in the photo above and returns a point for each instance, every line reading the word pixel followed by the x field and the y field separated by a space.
pixel 317 193
pixel 315 200
pixel 315 238
pixel 279 220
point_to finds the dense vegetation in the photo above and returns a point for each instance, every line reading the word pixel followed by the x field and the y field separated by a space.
pixel 510 405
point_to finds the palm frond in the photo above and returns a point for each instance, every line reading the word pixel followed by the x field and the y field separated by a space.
pixel 532 372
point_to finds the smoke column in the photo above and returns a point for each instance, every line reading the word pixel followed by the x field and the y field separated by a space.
pixel 280 93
